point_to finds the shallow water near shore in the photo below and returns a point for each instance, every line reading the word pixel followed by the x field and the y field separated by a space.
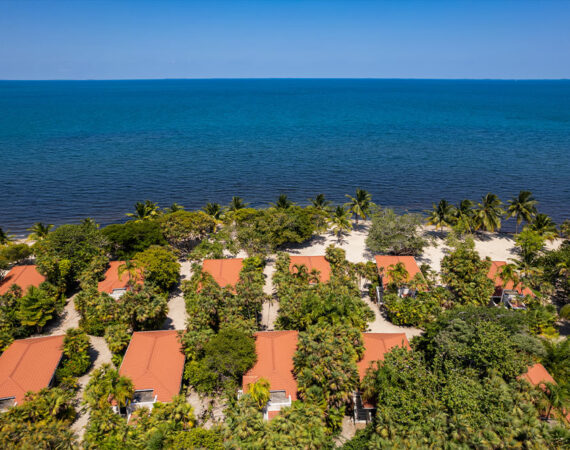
pixel 73 149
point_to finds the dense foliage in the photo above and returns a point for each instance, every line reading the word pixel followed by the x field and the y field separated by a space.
pixel 76 359
pixel 396 234
pixel 160 267
pixel 127 239
pixel 184 229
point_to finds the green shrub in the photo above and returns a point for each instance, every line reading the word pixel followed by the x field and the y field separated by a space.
pixel 397 235
pixel 76 360
pixel 127 239
pixel 160 267
pixel 412 311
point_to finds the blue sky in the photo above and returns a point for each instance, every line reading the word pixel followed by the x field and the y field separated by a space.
pixel 212 39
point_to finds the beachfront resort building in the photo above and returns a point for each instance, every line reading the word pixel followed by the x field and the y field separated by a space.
pixel 376 345
pixel 22 276
pixel 116 285
pixel 385 263
pixel 28 365
pixel 155 363
pixel 225 272
pixel 318 263
pixel 506 293
pixel 275 350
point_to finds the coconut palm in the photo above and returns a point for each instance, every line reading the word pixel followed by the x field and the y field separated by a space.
pixel 4 238
pixel 522 207
pixel 174 207
pixel 320 202
pixel 237 203
pixel 556 396
pixel 132 269
pixel 214 210
pixel 509 273
pixel 340 222
pixel 463 216
pixel 144 211
pixel 545 226
pixel 106 384
pixel 259 392
pixel 441 215
pixel 488 213
pixel 39 231
pixel 398 274
pixel 360 204
pixel 282 202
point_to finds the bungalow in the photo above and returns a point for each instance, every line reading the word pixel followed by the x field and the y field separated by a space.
pixel 537 375
pixel 376 345
pixel 225 272
pixel 116 285
pixel 312 262
pixel 155 363
pixel 506 293
pixel 23 276
pixel 275 350
pixel 384 263
pixel 28 365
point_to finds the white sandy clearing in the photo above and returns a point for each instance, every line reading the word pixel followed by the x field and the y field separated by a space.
pixel 208 410
pixel 100 355
pixel 176 317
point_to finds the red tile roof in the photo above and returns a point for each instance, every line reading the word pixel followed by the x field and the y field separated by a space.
pixel 154 360
pixel 313 262
pixel 23 276
pixel 494 274
pixel 29 365
pixel 224 271
pixel 275 350
pixel 386 261
pixel 113 281
pixel 537 375
pixel 376 345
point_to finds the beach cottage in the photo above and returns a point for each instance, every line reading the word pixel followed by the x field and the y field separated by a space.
pixel 385 263
pixel 28 365
pixel 116 285
pixel 275 350
pixel 318 263
pixel 376 345
pixel 155 363
pixel 22 276
pixel 506 293
pixel 225 272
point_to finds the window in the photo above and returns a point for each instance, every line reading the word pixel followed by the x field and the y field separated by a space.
pixel 143 396
pixel 278 396
pixel 6 403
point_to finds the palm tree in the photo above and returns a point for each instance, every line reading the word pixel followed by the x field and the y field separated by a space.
pixel 132 269
pixel 282 202
pixel 105 384
pixel 545 226
pixel 4 238
pixel 174 207
pixel 259 392
pixel 360 204
pixel 214 210
pixel 488 213
pixel 340 222
pixel 89 222
pixel 509 273
pixel 441 215
pixel 144 211
pixel 320 202
pixel 237 203
pixel 39 231
pixel 556 397
pixel 398 274
pixel 463 216
pixel 523 207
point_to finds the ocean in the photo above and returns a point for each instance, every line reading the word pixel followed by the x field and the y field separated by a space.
pixel 76 149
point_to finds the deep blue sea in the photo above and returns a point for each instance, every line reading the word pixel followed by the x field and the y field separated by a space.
pixel 73 149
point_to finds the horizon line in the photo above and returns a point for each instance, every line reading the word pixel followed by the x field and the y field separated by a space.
pixel 282 78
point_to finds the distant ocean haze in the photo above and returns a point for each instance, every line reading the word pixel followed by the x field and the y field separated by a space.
pixel 75 149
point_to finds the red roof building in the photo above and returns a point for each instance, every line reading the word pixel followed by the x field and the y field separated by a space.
pixel 537 375
pixel 23 276
pixel 376 345
pixel 116 285
pixel 225 272
pixel 28 365
pixel 154 362
pixel 275 350
pixel 383 262
pixel 494 274
pixel 312 262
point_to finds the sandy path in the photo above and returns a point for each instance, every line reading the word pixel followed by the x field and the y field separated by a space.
pixel 176 317
pixel 100 355
pixel 270 308
pixel 69 318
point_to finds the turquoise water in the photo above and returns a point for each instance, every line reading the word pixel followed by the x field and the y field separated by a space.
pixel 73 149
